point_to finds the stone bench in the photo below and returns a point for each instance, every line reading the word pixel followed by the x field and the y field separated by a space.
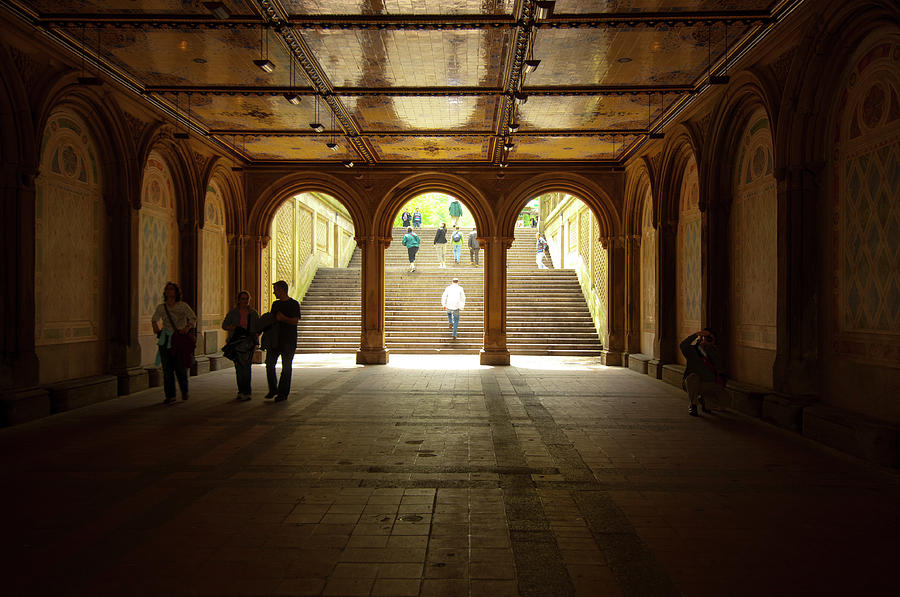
pixel 638 362
pixel 21 406
pixel 75 393
pixel 785 411
pixel 746 398
pixel 871 439
pixel 218 361
pixel 672 374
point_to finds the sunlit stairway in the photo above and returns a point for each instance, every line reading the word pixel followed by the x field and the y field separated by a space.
pixel 547 313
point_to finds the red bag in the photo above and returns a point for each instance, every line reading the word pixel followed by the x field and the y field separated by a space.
pixel 183 346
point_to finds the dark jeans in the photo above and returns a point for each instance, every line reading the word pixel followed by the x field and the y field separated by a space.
pixel 173 368
pixel 473 255
pixel 282 386
pixel 412 253
pixel 242 373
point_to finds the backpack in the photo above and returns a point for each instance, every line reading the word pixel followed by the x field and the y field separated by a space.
pixel 457 236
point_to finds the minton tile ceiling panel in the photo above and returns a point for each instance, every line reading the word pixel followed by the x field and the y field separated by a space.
pixel 411 58
pixel 432 148
pixel 618 6
pixel 131 7
pixel 423 113
pixel 569 148
pixel 589 112
pixel 288 147
pixel 397 7
pixel 251 112
pixel 189 56
pixel 626 56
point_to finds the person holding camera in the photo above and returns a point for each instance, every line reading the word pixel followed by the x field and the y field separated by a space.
pixel 703 375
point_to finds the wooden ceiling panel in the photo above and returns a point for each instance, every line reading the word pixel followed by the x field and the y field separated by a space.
pixel 424 148
pixel 423 113
pixel 410 58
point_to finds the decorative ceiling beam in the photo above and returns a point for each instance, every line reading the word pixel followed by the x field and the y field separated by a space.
pixel 556 91
pixel 437 133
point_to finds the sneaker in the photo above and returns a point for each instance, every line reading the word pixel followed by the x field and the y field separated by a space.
pixel 703 406
pixel 169 400
pixel 692 410
pixel 183 397
pixel 243 397
pixel 280 398
pixel 270 395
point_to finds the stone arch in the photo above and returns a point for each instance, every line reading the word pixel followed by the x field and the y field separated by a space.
pixel 232 195
pixel 427 182
pixel 271 198
pixel 682 147
pixel 187 184
pixel 593 195
pixel 642 278
pixel 638 184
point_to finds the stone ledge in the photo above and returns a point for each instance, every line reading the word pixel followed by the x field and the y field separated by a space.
pixel 746 398
pixel 638 362
pixel 654 368
pixel 76 393
pixel 154 376
pixel 21 406
pixel 870 439
pixel 785 411
pixel 672 374
pixel 200 366
pixel 132 381
pixel 218 361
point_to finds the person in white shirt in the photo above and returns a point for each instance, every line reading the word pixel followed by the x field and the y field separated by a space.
pixel 453 300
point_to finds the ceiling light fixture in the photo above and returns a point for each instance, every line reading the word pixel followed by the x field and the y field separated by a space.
pixel 347 164
pixel 266 65
pixel 513 127
pixel 531 65
pixel 292 98
pixel 521 97
pixel 316 125
pixel 508 145
pixel 715 79
pixel 218 10
pixel 544 9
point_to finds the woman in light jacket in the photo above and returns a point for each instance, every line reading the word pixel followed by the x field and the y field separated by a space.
pixel 241 325
pixel 170 318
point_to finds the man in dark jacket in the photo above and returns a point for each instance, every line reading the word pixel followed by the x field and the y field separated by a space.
pixel 474 247
pixel 703 374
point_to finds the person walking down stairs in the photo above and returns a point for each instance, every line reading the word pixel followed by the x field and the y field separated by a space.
pixel 542 247
pixel 411 242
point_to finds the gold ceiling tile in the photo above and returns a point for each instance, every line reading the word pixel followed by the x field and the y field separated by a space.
pixel 396 7
pixel 626 56
pixel 410 58
pixel 568 148
pixel 283 147
pixel 621 6
pixel 131 8
pixel 192 57
pixel 384 113
pixel 588 112
pixel 432 148
pixel 251 112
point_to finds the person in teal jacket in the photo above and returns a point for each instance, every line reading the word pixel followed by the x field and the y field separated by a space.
pixel 411 242
pixel 455 212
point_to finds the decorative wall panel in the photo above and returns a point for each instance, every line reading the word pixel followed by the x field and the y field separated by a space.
pixel 648 277
pixel 159 240
pixel 599 265
pixel 284 237
pixel 321 233
pixel 688 255
pixel 69 237
pixel 866 234
pixel 215 260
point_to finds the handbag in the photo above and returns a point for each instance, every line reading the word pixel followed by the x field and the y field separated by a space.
pixel 183 345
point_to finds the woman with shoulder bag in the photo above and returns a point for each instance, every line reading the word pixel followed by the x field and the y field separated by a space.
pixel 172 323
pixel 241 323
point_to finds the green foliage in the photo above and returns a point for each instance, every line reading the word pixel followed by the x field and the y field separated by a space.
pixel 435 208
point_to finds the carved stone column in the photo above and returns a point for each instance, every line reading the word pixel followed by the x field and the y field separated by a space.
pixel 633 294
pixel 495 351
pixel 237 259
pixel 18 359
pixel 796 369
pixel 124 351
pixel 614 344
pixel 371 344
pixel 666 342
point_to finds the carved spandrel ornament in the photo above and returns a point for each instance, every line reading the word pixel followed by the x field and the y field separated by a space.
pixel 781 68
pixel 27 67
pixel 136 126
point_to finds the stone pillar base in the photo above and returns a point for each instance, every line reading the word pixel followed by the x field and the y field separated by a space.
pixel 133 380
pixel 21 406
pixel 611 358
pixel 372 357
pixel 654 368
pixel 499 358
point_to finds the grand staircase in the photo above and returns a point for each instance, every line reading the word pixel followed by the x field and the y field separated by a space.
pixel 546 311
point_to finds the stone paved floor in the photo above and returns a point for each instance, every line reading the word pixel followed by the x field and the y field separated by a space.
pixel 436 476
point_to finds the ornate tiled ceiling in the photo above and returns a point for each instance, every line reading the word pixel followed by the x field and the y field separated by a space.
pixel 412 81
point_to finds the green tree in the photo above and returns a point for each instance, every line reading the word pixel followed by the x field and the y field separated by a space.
pixel 434 209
